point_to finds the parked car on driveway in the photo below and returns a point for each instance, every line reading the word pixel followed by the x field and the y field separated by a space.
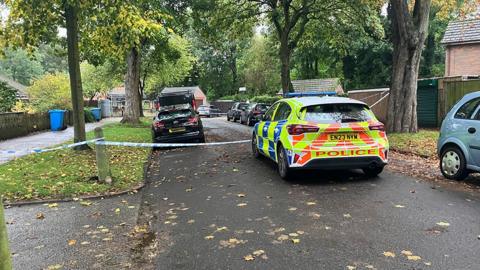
pixel 208 111
pixel 321 133
pixel 236 110
pixel 253 113
pixel 459 142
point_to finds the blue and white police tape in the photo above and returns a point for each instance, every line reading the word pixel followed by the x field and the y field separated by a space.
pixel 38 150
pixel 127 144
pixel 164 145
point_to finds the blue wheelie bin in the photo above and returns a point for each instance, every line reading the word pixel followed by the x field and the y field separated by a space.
pixel 97 113
pixel 56 119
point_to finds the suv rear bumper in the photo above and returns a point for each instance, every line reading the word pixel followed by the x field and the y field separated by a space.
pixel 179 138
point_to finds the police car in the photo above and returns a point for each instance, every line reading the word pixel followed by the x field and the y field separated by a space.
pixel 321 133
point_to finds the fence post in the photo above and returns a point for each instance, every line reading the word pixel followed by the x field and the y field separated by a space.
pixel 5 259
pixel 103 167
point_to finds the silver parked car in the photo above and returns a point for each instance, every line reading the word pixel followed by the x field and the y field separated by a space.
pixel 459 142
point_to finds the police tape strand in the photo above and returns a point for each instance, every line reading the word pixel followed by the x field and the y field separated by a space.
pixel 128 144
pixel 37 150
pixel 160 145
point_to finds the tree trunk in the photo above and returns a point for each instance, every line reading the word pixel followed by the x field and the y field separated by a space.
pixel 409 32
pixel 75 78
pixel 132 80
pixel 285 68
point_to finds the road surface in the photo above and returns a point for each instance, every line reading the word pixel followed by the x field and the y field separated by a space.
pixel 219 208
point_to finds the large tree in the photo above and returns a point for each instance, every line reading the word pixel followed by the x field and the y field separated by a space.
pixel 32 22
pixel 290 19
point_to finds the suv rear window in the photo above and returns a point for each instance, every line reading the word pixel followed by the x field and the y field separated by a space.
pixel 174 114
pixel 337 113
pixel 243 106
pixel 262 107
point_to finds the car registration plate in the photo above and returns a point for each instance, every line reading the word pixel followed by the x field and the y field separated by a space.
pixel 175 130
pixel 343 137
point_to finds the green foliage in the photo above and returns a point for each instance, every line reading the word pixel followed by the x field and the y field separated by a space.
pixel 167 65
pixel 52 91
pixel 259 67
pixel 265 99
pixel 7 97
pixel 236 97
pixel 89 118
pixel 19 66
pixel 99 79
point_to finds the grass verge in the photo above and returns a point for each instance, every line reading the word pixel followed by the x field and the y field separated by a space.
pixel 68 173
pixel 422 143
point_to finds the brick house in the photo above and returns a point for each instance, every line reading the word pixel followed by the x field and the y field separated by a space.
pixel 462 48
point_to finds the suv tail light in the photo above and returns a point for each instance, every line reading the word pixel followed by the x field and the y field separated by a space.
pixel 377 126
pixel 158 124
pixel 192 121
pixel 300 129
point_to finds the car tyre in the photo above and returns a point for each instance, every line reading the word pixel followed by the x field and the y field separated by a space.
pixel 373 171
pixel 453 164
pixel 282 163
pixel 255 151
pixel 228 118
pixel 249 121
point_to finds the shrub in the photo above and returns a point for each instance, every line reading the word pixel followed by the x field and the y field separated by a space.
pixel 266 99
pixel 52 91
pixel 89 118
pixel 7 97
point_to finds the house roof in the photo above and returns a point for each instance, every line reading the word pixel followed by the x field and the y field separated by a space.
pixel 119 90
pixel 317 85
pixel 197 92
pixel 21 89
pixel 465 31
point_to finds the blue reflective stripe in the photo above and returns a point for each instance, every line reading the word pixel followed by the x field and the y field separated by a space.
pixel 265 130
pixel 278 130
pixel 260 144
pixel 271 150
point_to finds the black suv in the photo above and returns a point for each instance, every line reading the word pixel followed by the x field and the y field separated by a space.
pixel 177 121
pixel 236 110
pixel 253 114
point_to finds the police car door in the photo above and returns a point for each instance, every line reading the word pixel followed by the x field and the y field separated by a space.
pixel 262 130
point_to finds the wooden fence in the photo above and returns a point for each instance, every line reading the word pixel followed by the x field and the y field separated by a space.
pixel 375 97
pixel 452 89
pixel 19 124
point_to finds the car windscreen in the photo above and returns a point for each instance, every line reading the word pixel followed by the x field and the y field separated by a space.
pixel 262 107
pixel 166 115
pixel 336 113
pixel 243 106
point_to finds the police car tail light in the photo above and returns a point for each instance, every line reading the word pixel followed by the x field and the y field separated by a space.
pixel 377 126
pixel 300 129
pixel 158 124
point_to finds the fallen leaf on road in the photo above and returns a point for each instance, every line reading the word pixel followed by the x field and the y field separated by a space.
pixel 443 224
pixel 188 190
pixel 407 252
pixel 86 226
pixel 427 263
pixel 300 232
pixel 105 230
pixel 414 258
pixel 241 204
pixel 131 207
pixel 107 239
pixel 55 267
pixel 86 203
pixel 349 267
pixel 389 254
pixel 52 205
pixel 328 228
pixel 311 203
pixel 235 170
pixel 249 257
pixel 399 206
pixel 85 243
pixel 117 211
pixel 40 216
pixel 209 237
pixel 292 209
pixel 224 228
pixel 249 231
pixel 191 221
pixel 295 240
pixel 72 242
pixel 258 252
pixel 293 234
pixel 240 195
pixel 282 237
pixel 347 216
